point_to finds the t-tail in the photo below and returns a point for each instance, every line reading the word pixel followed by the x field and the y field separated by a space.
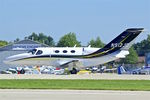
pixel 123 41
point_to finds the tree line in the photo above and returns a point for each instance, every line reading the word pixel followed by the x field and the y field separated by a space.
pixel 70 40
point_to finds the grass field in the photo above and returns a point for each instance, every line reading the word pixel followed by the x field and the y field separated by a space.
pixel 134 85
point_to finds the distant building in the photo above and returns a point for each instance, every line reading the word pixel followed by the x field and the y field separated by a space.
pixel 147 59
pixel 141 59
pixel 17 48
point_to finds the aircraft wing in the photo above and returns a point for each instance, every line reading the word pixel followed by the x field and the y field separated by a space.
pixel 65 62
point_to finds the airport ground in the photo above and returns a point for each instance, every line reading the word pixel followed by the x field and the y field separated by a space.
pixel 97 76
pixel 48 94
pixel 17 94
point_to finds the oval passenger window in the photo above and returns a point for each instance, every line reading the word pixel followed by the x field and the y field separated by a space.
pixel 73 51
pixel 65 51
pixel 56 51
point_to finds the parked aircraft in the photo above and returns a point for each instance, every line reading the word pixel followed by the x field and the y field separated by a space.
pixel 142 70
pixel 83 56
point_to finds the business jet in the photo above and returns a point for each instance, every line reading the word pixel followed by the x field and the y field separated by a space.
pixel 83 56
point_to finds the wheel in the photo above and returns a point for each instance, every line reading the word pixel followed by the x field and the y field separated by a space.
pixel 73 71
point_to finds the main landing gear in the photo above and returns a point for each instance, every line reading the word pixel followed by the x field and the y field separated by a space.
pixel 73 71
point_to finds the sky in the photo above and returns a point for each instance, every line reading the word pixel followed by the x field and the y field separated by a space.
pixel 87 18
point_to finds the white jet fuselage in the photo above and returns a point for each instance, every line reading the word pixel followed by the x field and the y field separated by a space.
pixel 86 56
pixel 57 56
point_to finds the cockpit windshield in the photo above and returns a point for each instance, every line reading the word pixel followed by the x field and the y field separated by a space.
pixel 32 51
pixel 39 52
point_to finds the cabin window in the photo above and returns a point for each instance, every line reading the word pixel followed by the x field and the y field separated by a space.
pixel 39 52
pixel 73 51
pixel 56 51
pixel 32 51
pixel 64 51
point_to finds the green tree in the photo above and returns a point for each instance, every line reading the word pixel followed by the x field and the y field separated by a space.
pixel 132 58
pixel 50 41
pixel 3 43
pixel 92 43
pixel 68 40
pixel 41 38
pixel 143 47
pixel 96 43
pixel 33 36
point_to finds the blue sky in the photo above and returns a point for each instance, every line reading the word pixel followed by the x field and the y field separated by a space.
pixel 87 18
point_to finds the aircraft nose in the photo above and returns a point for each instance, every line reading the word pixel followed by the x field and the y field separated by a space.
pixel 6 61
pixel 11 59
